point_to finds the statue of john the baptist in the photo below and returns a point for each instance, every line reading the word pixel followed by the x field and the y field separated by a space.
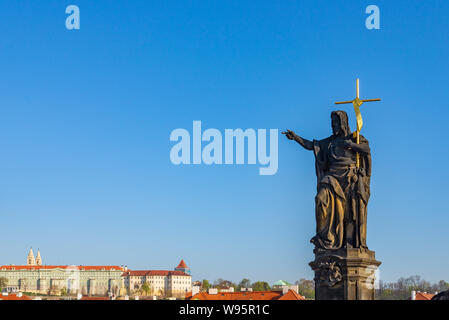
pixel 343 189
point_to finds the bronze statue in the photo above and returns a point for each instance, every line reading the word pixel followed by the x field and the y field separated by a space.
pixel 344 267
pixel 343 185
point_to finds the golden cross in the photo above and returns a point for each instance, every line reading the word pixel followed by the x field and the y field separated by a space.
pixel 357 102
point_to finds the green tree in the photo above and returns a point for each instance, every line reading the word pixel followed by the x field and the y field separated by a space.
pixel 402 288
pixel 217 282
pixel 386 294
pixel 146 288
pixel 245 283
pixel 3 283
pixel 442 286
pixel 205 285
pixel 221 284
pixel 261 286
pixel 306 288
pixel 63 292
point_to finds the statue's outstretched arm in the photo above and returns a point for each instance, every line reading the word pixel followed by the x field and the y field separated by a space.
pixel 307 144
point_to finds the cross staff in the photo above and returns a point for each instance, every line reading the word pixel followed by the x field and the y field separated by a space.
pixel 357 102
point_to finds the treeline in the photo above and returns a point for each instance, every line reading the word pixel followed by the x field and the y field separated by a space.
pixel 221 284
pixel 398 290
pixel 403 287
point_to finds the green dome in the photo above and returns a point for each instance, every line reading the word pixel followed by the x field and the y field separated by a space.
pixel 281 283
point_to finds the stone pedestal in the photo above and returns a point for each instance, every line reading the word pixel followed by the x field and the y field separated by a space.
pixel 344 274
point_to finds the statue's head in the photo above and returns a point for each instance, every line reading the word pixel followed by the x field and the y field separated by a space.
pixel 340 125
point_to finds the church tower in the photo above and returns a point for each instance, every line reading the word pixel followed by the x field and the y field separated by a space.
pixel 30 258
pixel 38 258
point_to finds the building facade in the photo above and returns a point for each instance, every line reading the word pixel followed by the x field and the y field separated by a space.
pixel 284 286
pixel 159 282
pixel 37 278
pixel 94 280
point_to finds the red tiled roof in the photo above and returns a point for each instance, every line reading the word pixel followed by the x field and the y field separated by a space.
pixel 13 296
pixel 182 264
pixel 142 273
pixel 292 295
pixel 249 295
pixel 94 298
pixel 81 268
pixel 423 296
pixel 255 295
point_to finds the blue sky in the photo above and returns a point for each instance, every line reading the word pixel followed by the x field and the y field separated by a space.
pixel 86 116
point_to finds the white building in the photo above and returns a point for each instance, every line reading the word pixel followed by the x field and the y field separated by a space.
pixel 160 282
pixel 34 277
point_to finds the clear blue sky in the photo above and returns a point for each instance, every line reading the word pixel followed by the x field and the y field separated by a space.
pixel 85 119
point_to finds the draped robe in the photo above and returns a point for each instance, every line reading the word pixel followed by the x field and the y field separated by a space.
pixel 342 194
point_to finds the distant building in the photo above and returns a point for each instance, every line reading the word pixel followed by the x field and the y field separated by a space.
pixel 37 278
pixel 161 282
pixel 284 286
pixel 226 289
